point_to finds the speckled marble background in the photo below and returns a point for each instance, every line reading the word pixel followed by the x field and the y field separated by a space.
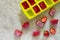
pixel 11 18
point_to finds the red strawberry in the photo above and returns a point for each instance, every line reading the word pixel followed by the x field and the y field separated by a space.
pixel 55 0
pixel 32 2
pixel 36 9
pixel 25 5
pixel 52 12
pixel 52 30
pixel 18 33
pixel 46 33
pixel 44 19
pixel 54 22
pixel 26 25
pixel 36 33
pixel 39 23
pixel 42 5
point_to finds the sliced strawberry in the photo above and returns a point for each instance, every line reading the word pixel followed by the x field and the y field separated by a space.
pixel 44 19
pixel 52 12
pixel 39 23
pixel 36 9
pixel 52 30
pixel 36 33
pixel 32 2
pixel 18 33
pixel 55 0
pixel 26 25
pixel 46 33
pixel 54 22
pixel 25 5
pixel 42 5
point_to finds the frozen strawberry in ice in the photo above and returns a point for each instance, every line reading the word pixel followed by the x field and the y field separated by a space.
pixel 46 33
pixel 36 9
pixel 55 0
pixel 52 30
pixel 36 33
pixel 44 19
pixel 18 33
pixel 25 5
pixel 26 25
pixel 52 12
pixel 39 23
pixel 42 5
pixel 54 22
pixel 32 2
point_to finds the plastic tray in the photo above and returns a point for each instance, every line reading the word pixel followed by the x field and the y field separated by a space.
pixel 33 8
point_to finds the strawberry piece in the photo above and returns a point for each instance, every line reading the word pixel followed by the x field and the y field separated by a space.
pixel 55 0
pixel 52 12
pixel 42 5
pixel 32 2
pixel 36 33
pixel 36 9
pixel 52 30
pixel 26 25
pixel 54 22
pixel 18 33
pixel 25 5
pixel 46 33
pixel 44 19
pixel 39 23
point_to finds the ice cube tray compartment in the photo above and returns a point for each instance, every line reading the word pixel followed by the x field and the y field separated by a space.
pixel 36 9
pixel 49 2
pixel 32 2
pixel 42 5
pixel 25 5
pixel 30 12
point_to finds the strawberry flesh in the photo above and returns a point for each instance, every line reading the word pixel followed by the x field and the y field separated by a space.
pixel 26 25
pixel 36 33
pixel 44 19
pixel 54 22
pixel 52 30
pixel 39 23
pixel 18 33
pixel 46 33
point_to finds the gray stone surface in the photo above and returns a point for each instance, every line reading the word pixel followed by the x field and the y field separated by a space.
pixel 11 18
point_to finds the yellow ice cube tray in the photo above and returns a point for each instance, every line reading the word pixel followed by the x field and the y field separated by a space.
pixel 32 8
